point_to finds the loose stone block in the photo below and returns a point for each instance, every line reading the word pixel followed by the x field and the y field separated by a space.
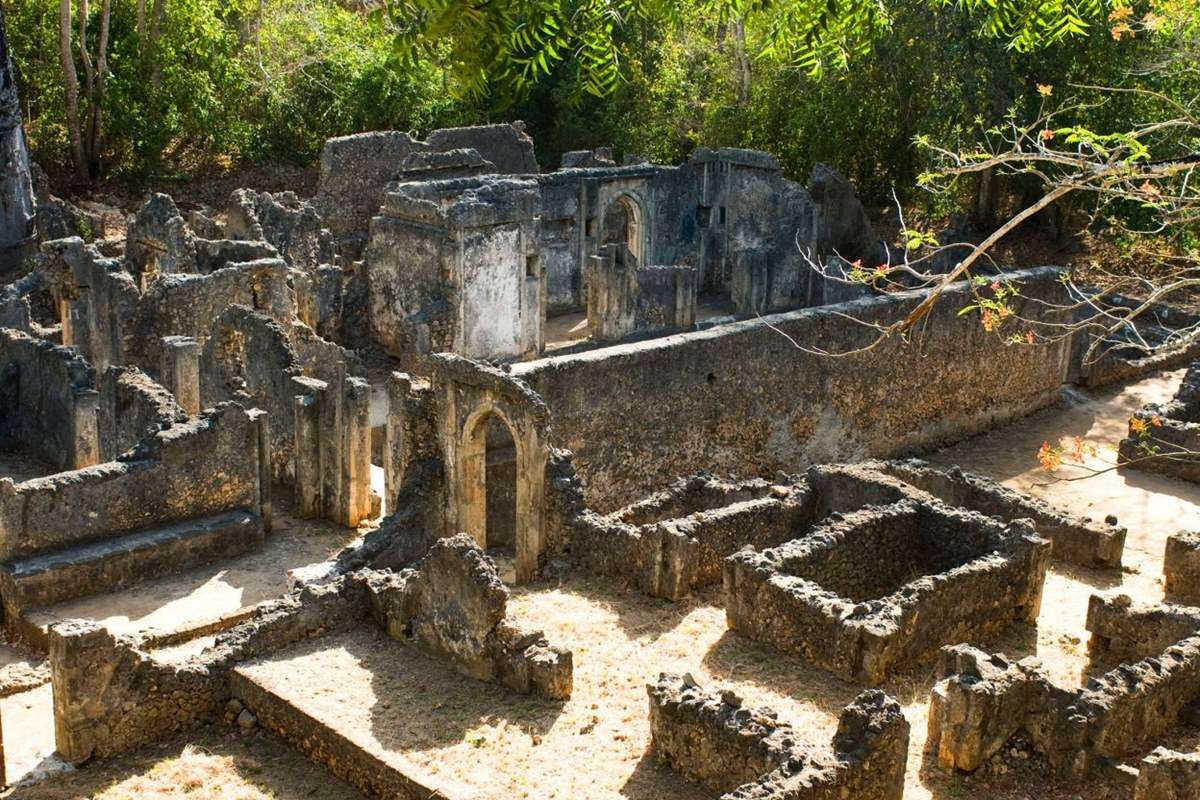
pixel 1181 567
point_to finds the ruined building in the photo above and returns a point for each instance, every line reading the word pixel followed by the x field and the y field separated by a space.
pixel 438 419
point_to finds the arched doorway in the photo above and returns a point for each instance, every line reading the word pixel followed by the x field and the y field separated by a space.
pixel 491 466
pixel 622 225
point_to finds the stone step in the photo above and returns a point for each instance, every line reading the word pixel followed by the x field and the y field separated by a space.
pixel 126 559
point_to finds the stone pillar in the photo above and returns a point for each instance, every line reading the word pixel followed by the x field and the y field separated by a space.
pixel 262 425
pixel 180 371
pixel 395 452
pixel 333 449
pixel 307 409
pixel 81 653
pixel 355 480
pixel 85 434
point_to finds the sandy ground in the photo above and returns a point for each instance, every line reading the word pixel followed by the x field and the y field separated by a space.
pixel 212 764
pixel 22 464
pixel 20 668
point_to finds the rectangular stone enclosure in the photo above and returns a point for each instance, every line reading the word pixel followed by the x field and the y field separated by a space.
pixel 883 588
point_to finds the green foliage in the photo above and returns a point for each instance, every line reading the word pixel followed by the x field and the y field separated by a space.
pixel 237 83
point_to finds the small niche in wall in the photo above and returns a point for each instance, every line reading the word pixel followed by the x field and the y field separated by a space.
pixel 721 217
pixel 703 213
pixel 587 227
pixel 532 266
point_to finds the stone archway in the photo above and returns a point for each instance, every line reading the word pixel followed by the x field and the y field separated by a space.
pixel 623 224
pixel 475 397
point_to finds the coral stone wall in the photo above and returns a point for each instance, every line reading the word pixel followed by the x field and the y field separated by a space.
pixel 742 399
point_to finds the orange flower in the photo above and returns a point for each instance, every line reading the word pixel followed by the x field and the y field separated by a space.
pixel 1049 457
pixel 1029 338
pixel 1047 135
pixel 1045 89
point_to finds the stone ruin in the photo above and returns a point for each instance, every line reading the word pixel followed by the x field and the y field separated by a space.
pixel 481 376
pixel 745 753
pixel 1165 438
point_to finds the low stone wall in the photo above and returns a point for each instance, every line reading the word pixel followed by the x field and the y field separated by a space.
pixel 1165 438
pixel 743 400
pixel 738 752
pixel 203 466
pixel 1166 329
pixel 981 701
pixel 1075 539
pixel 1122 630
pixel 1168 775
pixel 692 495
pixel 883 588
pixel 48 400
pixel 671 557
pixel 454 604
pixel 132 406
pixel 111 697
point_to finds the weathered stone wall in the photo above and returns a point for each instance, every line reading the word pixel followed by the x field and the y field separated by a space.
pixel 187 305
pixel 1181 568
pixel 1165 438
pixel 203 466
pixel 111 697
pixel 1079 540
pixel 453 604
pixel 292 226
pixel 834 597
pixel 1124 631
pixel 355 170
pixel 132 406
pixel 505 145
pixel 742 400
pixel 47 400
pixel 1168 775
pixel 448 270
pixel 749 754
pixel 983 700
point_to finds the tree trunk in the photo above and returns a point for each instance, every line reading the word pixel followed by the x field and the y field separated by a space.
pixel 141 26
pixel 987 195
pixel 70 88
pixel 156 23
pixel 742 62
pixel 17 206
pixel 96 125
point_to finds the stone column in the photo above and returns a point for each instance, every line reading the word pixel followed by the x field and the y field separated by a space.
pixel 307 450
pixel 395 454
pixel 333 449
pixel 355 488
pixel 263 433
pixel 81 656
pixel 85 434
pixel 180 371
